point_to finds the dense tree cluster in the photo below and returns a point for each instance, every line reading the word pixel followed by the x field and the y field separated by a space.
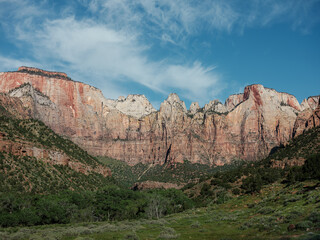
pixel 108 204
pixel 310 170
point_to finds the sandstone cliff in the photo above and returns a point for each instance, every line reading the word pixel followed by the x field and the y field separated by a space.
pixel 247 126
pixel 16 115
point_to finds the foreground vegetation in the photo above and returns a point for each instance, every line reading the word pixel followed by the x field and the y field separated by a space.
pixel 109 203
pixel 279 211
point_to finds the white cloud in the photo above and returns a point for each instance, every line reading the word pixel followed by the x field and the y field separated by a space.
pixel 113 57
pixel 11 64
pixel 112 47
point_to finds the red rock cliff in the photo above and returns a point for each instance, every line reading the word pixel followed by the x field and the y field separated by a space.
pixel 248 126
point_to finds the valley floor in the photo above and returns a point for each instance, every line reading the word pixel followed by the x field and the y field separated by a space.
pixel 278 212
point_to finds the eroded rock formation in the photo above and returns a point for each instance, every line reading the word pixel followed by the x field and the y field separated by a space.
pixel 22 108
pixel 247 126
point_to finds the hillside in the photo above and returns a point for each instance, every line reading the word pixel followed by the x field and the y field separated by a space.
pixel 258 200
pixel 35 159
pixel 298 150
pixel 299 160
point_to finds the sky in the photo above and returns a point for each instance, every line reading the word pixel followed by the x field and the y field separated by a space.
pixel 202 50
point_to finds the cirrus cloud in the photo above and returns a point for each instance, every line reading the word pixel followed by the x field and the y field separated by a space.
pixel 110 44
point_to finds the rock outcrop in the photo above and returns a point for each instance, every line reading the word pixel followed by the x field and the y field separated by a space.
pixel 233 100
pixel 134 105
pixel 247 126
pixel 194 107
pixel 215 106
pixel 309 117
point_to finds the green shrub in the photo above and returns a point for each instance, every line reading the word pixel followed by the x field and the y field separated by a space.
pixel 236 191
pixel 195 224
pixel 205 190
pixel 311 167
pixel 304 225
pixel 266 210
pixel 131 236
pixel 168 233
pixel 252 184
pixel 314 217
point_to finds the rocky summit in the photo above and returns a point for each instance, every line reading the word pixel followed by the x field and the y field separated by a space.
pixel 247 126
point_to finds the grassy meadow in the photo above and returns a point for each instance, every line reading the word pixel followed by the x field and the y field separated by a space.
pixel 279 211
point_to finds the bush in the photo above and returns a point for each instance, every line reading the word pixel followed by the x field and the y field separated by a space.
pixel 205 190
pixel 131 236
pixel 304 225
pixel 314 217
pixel 236 191
pixel 195 224
pixel 266 210
pixel 252 184
pixel 295 174
pixel 311 167
pixel 293 215
pixel 168 233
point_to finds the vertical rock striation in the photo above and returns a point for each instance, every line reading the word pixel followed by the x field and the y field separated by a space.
pixel 247 126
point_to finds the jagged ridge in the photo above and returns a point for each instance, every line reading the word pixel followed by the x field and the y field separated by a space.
pixel 246 127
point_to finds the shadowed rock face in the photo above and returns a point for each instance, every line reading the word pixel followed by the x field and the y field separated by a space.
pixel 247 126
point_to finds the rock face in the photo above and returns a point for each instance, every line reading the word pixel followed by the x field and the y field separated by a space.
pixel 309 117
pixel 194 107
pixel 215 106
pixel 247 126
pixel 233 100
pixel 134 105
pixel 20 109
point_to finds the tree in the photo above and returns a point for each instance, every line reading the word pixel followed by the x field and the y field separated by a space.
pixel 157 206
pixel 252 183
pixel 311 167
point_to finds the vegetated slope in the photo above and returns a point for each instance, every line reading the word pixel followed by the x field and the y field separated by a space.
pixel 35 159
pixel 297 150
pixel 277 212
pixel 124 174
pixel 251 177
pixel 178 173
pixel 182 173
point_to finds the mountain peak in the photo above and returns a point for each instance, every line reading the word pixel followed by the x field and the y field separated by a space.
pixel 135 105
pixel 173 102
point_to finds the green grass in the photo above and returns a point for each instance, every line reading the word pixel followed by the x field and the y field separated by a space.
pixel 266 215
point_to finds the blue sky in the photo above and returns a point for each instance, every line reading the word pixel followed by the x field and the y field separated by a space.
pixel 202 50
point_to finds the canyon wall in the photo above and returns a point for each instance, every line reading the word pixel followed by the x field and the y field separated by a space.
pixel 246 127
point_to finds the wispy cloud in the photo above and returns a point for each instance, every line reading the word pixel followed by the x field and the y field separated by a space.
pixel 9 64
pixel 114 57
pixel 112 44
